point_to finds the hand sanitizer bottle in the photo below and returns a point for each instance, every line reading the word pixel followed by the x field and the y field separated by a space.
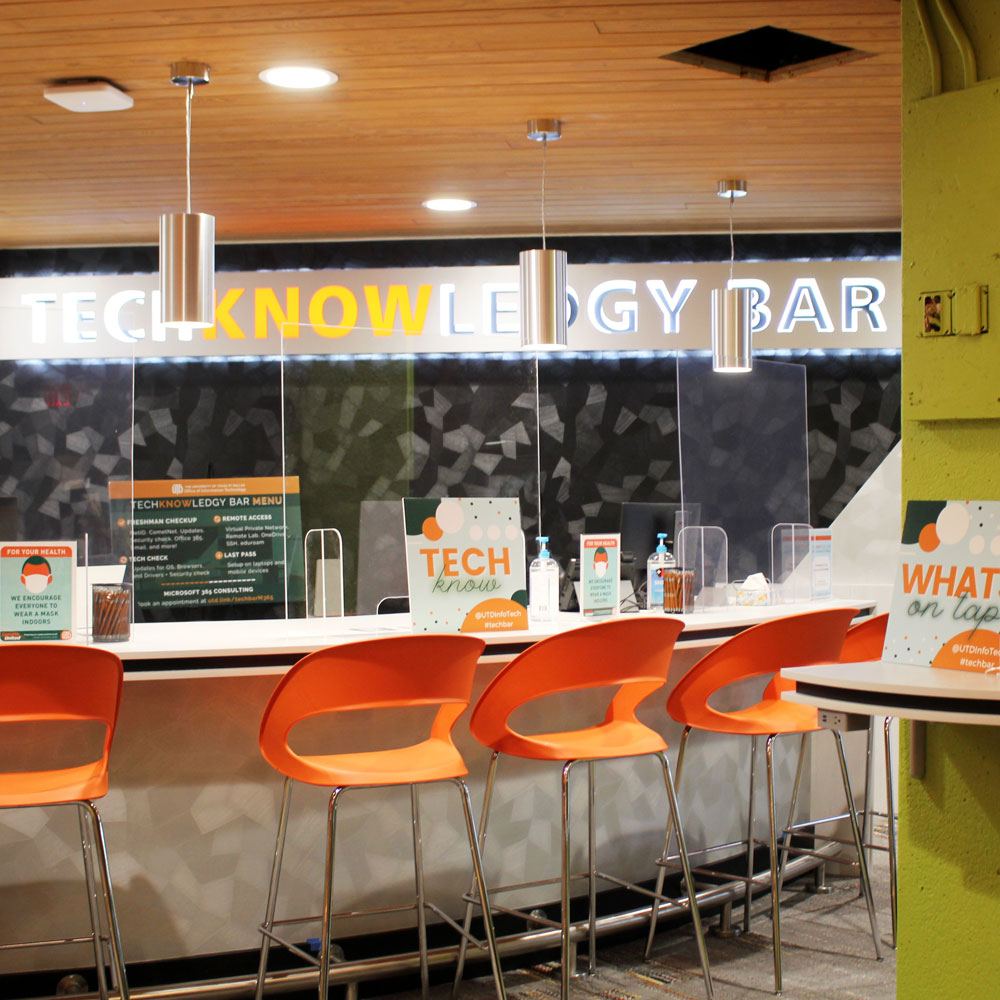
pixel 543 584
pixel 658 561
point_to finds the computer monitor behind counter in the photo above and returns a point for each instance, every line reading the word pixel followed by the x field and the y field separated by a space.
pixel 642 522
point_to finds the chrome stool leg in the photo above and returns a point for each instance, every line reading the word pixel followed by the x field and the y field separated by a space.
pixel 114 937
pixel 699 931
pixel 775 901
pixel 481 843
pixel 324 952
pixel 564 971
pixel 866 885
pixel 418 873
pixel 272 892
pixel 661 870
pixel 748 894
pixel 786 835
pixel 592 871
pixel 87 846
pixel 475 849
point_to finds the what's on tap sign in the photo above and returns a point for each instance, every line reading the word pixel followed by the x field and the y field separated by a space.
pixel 946 603
pixel 609 307
pixel 465 564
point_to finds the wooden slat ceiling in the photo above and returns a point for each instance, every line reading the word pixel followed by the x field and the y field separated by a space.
pixel 433 99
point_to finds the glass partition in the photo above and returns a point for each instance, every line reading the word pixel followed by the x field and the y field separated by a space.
pixel 65 438
pixel 744 457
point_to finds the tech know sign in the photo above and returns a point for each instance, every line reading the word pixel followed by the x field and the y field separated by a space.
pixel 618 307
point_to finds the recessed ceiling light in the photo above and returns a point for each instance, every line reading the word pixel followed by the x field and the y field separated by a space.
pixel 298 77
pixel 449 204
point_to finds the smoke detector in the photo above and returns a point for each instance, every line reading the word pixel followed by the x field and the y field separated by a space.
pixel 88 95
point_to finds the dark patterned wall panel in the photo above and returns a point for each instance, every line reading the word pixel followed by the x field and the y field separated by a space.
pixel 362 428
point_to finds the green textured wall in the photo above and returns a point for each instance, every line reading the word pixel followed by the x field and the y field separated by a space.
pixel 949 894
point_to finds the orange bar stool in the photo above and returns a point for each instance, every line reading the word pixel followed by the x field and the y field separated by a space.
pixel 865 641
pixel 391 672
pixel 42 683
pixel 794 641
pixel 630 655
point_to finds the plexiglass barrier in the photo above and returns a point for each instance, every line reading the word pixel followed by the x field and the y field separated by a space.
pixel 791 563
pixel 703 561
pixel 324 573
pixel 744 457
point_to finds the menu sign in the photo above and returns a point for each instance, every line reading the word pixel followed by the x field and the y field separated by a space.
pixel 209 541
pixel 465 565
pixel 947 592
pixel 600 559
pixel 36 590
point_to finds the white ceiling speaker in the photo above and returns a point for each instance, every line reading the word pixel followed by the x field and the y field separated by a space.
pixel 96 95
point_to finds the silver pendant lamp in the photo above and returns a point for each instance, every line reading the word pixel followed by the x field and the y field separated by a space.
pixel 543 272
pixel 187 239
pixel 731 321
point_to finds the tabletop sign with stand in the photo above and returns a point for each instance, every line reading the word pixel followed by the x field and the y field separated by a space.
pixel 200 542
pixel 600 562
pixel 465 565
pixel 946 601
pixel 36 590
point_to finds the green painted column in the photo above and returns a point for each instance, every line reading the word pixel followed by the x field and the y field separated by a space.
pixel 949 892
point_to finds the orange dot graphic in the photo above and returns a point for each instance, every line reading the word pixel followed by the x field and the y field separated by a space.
pixel 431 529
pixel 929 540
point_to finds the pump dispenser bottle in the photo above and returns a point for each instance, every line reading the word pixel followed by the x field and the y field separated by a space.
pixel 658 561
pixel 543 584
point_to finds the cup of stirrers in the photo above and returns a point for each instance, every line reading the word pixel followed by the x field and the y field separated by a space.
pixel 678 590
pixel 112 612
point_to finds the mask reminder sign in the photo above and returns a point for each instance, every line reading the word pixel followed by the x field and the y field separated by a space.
pixel 946 602
pixel 36 589
pixel 600 559
pixel 465 565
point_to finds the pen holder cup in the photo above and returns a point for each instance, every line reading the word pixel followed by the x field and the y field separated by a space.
pixel 112 610
pixel 678 590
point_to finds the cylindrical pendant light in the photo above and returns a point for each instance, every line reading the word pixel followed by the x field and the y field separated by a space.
pixel 187 239
pixel 543 298
pixel 732 349
pixel 543 272
pixel 187 269
pixel 731 330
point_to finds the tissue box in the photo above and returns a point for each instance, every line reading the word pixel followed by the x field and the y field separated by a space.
pixel 752 591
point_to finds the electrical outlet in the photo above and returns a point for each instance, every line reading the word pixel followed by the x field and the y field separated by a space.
pixel 935 314
pixel 970 310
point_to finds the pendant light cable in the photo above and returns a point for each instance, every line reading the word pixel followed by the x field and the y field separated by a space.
pixel 538 445
pixel 190 96
pixel 545 148
pixel 732 245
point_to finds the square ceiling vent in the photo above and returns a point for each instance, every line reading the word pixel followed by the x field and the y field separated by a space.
pixel 766 54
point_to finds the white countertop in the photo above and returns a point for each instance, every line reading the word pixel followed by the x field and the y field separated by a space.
pixel 876 687
pixel 201 643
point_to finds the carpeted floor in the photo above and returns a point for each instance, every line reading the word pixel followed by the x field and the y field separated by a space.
pixel 827 954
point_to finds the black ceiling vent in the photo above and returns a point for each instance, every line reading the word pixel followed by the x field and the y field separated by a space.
pixel 766 54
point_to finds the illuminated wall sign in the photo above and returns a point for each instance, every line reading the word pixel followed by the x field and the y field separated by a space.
pixel 621 307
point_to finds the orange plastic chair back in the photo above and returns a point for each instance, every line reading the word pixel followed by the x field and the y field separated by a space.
pixel 391 672
pixel 632 654
pixel 45 682
pixel 865 640
pixel 796 641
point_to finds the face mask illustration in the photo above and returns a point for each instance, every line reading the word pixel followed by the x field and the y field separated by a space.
pixel 600 562
pixel 36 574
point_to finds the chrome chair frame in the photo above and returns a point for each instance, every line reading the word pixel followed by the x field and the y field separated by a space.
pixel 421 905
pixel 774 879
pixel 568 930
pixel 95 855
